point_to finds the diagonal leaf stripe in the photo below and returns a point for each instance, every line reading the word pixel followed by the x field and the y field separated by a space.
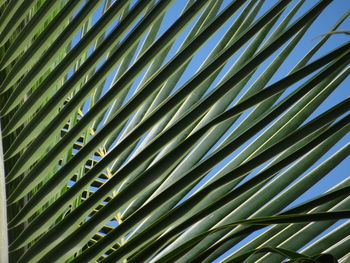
pixel 236 172
pixel 185 145
pixel 279 219
pixel 175 187
pixel 69 60
pixel 276 231
pixel 284 252
pixel 300 208
pixel 195 96
pixel 155 99
pixel 208 141
pixel 251 229
pixel 174 131
pixel 14 14
pixel 329 206
pixel 213 197
pixel 10 9
pixel 28 59
pixel 298 188
pixel 161 109
pixel 83 182
pixel 241 170
pixel 78 127
pixel 33 25
pixel 101 105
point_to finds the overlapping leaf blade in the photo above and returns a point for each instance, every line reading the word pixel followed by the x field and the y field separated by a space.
pixel 109 157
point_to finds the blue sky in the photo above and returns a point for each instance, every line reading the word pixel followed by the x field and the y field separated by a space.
pixel 326 20
pixel 321 26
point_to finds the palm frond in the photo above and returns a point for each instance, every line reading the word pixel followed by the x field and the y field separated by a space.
pixel 164 130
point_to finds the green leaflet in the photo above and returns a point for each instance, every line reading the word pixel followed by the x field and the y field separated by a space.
pixel 39 45
pixel 14 13
pixel 213 123
pixel 31 28
pixel 114 142
pixel 160 198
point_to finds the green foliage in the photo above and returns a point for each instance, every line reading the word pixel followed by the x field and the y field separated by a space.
pixel 118 149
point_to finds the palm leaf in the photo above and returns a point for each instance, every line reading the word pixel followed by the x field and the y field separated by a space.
pixel 132 134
